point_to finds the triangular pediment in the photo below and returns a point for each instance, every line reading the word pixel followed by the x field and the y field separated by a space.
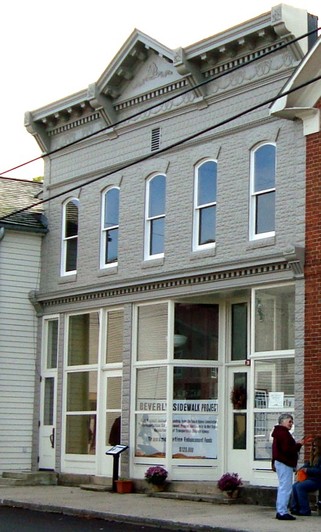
pixel 142 64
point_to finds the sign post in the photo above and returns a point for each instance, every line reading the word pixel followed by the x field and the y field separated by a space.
pixel 115 452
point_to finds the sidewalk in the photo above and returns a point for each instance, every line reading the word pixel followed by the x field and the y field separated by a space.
pixel 141 509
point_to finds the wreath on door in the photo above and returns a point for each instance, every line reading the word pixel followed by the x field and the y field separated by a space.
pixel 238 397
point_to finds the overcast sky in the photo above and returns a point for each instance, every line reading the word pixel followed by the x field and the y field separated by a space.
pixel 53 49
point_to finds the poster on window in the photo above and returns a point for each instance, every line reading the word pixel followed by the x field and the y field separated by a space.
pixel 194 430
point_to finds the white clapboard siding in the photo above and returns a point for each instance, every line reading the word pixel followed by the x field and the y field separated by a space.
pixel 19 273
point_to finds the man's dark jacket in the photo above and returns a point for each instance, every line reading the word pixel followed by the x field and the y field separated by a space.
pixel 284 447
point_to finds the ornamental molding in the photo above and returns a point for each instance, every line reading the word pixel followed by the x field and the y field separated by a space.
pixel 165 284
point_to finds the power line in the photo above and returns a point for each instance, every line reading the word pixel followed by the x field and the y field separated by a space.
pixel 168 148
pixel 170 98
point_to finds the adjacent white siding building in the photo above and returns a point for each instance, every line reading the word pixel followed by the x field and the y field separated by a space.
pixel 20 248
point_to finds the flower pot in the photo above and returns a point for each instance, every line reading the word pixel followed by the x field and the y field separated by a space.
pixel 157 487
pixel 124 486
pixel 232 494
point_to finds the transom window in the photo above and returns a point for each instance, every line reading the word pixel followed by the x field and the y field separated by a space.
pixel 155 216
pixel 262 208
pixel 205 205
pixel 110 227
pixel 70 237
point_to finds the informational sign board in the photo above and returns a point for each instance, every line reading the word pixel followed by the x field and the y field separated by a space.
pixel 194 429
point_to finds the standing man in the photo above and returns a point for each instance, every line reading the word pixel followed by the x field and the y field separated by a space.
pixel 285 453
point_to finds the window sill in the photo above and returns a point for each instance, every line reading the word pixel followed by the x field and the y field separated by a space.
pixel 112 270
pixel 152 263
pixel 262 243
pixel 68 279
pixel 202 253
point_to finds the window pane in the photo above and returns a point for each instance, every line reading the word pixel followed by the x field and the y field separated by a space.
pixel 239 391
pixel 207 225
pixel 195 383
pixel 52 343
pixel 207 183
pixel 71 254
pixel 263 426
pixel 113 393
pixel 151 392
pixel 71 218
pixel 157 187
pixel 274 383
pixel 265 213
pixel 81 434
pixel 115 331
pixel 111 246
pixel 157 229
pixel 82 391
pixel 239 331
pixel 196 331
pixel 152 332
pixel 264 168
pixel 239 431
pixel 83 339
pixel 111 208
pixel 113 428
pixel 274 319
pixel 151 387
pixel 49 401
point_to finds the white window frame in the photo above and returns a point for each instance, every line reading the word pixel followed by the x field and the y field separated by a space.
pixel 254 195
pixel 65 240
pixel 105 230
pixel 198 209
pixel 149 220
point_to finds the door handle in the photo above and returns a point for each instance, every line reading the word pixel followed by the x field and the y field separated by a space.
pixel 52 438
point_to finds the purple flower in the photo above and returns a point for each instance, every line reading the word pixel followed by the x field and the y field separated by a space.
pixel 229 482
pixel 156 475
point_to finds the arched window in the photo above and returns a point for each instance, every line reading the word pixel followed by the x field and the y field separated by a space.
pixel 205 187
pixel 155 216
pixel 110 227
pixel 262 201
pixel 70 237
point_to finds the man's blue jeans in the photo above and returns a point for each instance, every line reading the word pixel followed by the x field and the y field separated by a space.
pixel 285 476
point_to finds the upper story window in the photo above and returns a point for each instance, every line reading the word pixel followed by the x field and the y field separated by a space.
pixel 205 190
pixel 110 227
pixel 262 208
pixel 70 237
pixel 155 216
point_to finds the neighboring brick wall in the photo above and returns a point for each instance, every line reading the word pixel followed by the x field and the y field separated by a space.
pixel 312 386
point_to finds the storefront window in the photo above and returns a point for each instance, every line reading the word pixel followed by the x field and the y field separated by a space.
pixel 152 332
pixel 195 411
pixel 274 319
pixel 83 339
pixel 196 332
pixel 115 326
pixel 151 412
pixel 239 331
pixel 274 393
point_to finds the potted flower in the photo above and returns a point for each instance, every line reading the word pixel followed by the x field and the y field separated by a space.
pixel 156 476
pixel 229 483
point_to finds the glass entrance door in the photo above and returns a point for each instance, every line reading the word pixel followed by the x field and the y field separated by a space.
pixel 237 456
pixel 47 436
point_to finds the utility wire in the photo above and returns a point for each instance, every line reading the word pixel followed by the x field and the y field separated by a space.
pixel 168 148
pixel 157 104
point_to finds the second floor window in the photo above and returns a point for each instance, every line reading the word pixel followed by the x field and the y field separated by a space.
pixel 110 227
pixel 205 205
pixel 262 207
pixel 155 216
pixel 70 237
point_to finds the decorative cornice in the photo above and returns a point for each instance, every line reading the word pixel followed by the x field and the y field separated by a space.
pixel 165 284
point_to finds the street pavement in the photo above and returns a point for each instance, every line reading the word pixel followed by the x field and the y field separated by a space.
pixel 139 508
